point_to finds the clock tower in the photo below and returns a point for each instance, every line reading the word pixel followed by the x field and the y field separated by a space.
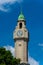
pixel 20 35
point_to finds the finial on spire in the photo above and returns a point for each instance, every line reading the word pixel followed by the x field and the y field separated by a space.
pixel 21 9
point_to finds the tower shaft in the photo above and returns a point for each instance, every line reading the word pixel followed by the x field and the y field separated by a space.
pixel 21 50
pixel 21 40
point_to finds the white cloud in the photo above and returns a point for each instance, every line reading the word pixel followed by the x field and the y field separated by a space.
pixel 5 4
pixel 40 44
pixel 11 49
pixel 31 60
pixel 3 9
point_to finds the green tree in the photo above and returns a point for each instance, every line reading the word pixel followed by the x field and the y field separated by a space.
pixel 6 58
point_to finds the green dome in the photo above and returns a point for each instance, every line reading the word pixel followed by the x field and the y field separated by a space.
pixel 21 17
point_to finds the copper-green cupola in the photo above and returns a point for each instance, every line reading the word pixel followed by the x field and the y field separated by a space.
pixel 21 17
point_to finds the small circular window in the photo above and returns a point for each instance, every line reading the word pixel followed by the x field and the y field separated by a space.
pixel 19 44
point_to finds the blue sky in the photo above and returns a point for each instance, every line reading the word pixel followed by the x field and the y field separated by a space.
pixel 33 12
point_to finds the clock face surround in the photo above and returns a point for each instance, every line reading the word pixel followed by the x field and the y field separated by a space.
pixel 19 33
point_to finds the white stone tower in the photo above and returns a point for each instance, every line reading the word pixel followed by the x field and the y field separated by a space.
pixel 20 35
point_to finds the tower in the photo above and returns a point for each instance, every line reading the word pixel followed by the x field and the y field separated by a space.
pixel 20 35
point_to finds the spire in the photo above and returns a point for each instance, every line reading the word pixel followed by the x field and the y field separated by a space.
pixel 21 17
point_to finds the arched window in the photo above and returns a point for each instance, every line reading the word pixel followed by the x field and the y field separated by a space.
pixel 20 25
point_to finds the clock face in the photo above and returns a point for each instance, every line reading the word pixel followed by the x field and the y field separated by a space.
pixel 19 33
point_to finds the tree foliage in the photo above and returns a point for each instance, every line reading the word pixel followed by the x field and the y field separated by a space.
pixel 6 58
